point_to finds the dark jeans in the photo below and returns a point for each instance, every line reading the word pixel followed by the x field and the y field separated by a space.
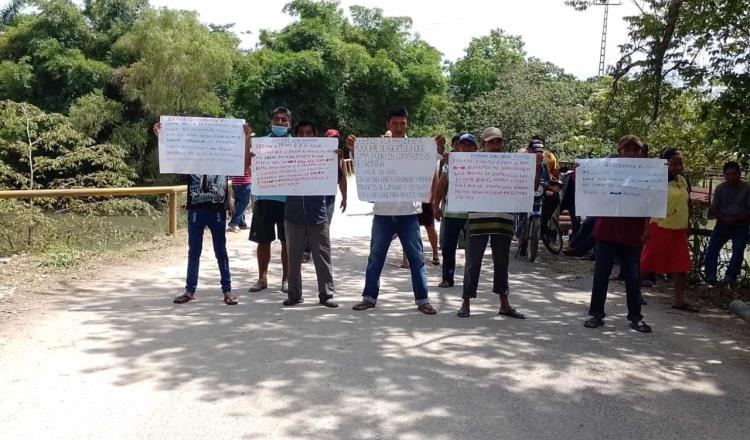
pixel 407 229
pixel 198 220
pixel 452 228
pixel 500 245
pixel 629 257
pixel 719 237
pixel 241 200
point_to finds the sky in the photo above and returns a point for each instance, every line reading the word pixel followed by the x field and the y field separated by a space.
pixel 552 31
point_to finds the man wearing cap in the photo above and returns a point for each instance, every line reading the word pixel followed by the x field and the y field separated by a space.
pixel 619 238
pixel 497 229
pixel 453 222
pixel 400 218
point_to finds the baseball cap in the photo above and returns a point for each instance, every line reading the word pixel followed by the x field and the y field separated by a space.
pixel 629 140
pixel 490 133
pixel 466 137
pixel 332 133
pixel 536 146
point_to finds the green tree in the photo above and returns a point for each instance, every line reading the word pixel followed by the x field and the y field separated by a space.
pixel 96 116
pixel 43 150
pixel 486 58
pixel 340 73
pixel 530 98
pixel 174 64
pixel 48 57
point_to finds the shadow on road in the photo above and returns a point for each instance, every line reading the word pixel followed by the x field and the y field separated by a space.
pixel 391 372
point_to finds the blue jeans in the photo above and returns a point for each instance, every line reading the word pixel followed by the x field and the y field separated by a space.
pixel 407 228
pixel 241 200
pixel 629 257
pixel 719 237
pixel 452 228
pixel 198 220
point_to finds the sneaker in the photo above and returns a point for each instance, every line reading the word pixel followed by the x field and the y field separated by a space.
pixel 244 227
pixel 233 228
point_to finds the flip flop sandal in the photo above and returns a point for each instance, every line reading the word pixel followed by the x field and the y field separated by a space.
pixel 435 261
pixel 364 305
pixel 182 299
pixel 427 309
pixel 230 300
pixel 640 326
pixel 594 323
pixel 463 313
pixel 257 287
pixel 512 313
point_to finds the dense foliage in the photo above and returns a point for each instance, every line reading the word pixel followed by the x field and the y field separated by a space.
pixel 89 78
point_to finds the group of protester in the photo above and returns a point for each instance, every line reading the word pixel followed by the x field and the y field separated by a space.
pixel 303 222
pixel 663 246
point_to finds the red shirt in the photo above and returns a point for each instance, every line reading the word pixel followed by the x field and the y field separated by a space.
pixel 622 230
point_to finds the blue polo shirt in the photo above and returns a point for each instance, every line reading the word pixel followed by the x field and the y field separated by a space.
pixel 275 198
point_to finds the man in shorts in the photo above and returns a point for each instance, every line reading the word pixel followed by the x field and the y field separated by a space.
pixel 268 215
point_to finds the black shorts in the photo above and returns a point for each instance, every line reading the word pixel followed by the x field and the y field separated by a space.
pixel 266 215
pixel 426 218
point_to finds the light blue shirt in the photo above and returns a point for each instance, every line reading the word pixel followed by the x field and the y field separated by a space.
pixel 275 198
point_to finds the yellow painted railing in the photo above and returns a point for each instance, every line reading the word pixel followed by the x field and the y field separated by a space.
pixel 170 191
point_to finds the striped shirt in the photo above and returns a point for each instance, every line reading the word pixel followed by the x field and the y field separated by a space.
pixel 491 223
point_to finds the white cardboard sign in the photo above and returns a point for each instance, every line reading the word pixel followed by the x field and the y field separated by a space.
pixel 285 166
pixel 190 145
pixel 491 182
pixel 621 187
pixel 394 169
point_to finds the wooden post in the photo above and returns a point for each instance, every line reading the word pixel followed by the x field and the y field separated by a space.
pixel 172 213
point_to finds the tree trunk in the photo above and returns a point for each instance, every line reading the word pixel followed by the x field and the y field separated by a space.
pixel 657 57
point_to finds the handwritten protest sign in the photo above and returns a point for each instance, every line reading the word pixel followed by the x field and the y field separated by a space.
pixel 201 146
pixel 295 166
pixel 491 182
pixel 394 169
pixel 621 188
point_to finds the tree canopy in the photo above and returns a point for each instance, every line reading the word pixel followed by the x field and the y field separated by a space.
pixel 95 74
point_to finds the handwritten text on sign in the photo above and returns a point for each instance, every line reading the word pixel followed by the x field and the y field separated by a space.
pixel 394 169
pixel 491 182
pixel 295 166
pixel 621 188
pixel 201 146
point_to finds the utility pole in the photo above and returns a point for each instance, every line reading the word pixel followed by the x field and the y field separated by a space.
pixel 603 48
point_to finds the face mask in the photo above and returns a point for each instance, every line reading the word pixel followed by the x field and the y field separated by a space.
pixel 279 130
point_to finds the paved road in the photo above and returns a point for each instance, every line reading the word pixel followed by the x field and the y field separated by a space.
pixel 113 358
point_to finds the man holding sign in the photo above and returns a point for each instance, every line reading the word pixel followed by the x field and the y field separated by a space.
pixel 396 217
pixel 268 215
pixel 620 236
pixel 207 198
pixel 306 219
pixel 495 228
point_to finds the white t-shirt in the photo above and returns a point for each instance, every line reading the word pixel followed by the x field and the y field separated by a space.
pixel 397 208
